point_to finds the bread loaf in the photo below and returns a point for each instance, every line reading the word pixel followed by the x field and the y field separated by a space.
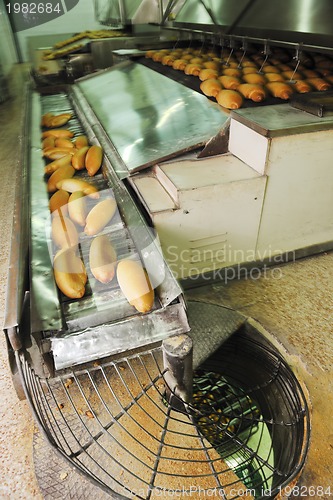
pixel 211 65
pixel 301 86
pixel 77 208
pixel 63 172
pixel 58 202
pixel 193 69
pixel 64 233
pixel 270 69
pixel 288 75
pixel 54 165
pixel 59 120
pixel 252 91
pixel 280 90
pixel 57 153
pixel 102 259
pixel 230 99
pixel 254 78
pixel 319 83
pixel 274 77
pixel 61 132
pixel 211 87
pixel 72 185
pixel 232 72
pixel 229 82
pixel 62 142
pixel 81 141
pixel 69 273
pixel 135 285
pixel 78 158
pixel 99 216
pixel 207 74
pixel 179 64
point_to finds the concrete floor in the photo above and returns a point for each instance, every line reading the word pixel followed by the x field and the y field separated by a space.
pixel 294 303
pixel 17 478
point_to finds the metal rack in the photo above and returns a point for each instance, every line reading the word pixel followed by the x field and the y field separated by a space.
pixel 245 430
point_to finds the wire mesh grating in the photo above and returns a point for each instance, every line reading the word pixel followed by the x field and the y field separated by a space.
pixel 245 432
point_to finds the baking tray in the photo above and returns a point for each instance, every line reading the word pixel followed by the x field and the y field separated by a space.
pixel 317 103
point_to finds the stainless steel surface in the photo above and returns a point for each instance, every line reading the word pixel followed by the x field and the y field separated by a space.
pixel 248 424
pixel 225 12
pixel 147 116
pixel 20 233
pixel 281 119
pixel 143 237
pixel 102 50
pixel 298 16
pixel 110 338
pixel 44 295
pixel 296 21
pixel 102 322
pixel 317 104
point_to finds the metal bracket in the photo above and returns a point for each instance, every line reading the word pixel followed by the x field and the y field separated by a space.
pixel 178 363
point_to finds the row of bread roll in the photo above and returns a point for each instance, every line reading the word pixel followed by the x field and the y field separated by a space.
pixel 69 270
pixel 56 54
pixel 60 146
pixel 240 80
pixel 69 209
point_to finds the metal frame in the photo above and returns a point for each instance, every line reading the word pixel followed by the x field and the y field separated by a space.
pixel 57 409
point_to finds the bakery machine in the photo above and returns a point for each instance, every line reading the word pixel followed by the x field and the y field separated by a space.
pixel 191 398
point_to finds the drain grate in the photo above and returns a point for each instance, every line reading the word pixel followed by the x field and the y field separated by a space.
pixel 245 432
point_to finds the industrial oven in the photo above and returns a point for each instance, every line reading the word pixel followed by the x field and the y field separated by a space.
pixel 188 398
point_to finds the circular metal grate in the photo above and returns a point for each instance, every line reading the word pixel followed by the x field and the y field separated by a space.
pixel 244 434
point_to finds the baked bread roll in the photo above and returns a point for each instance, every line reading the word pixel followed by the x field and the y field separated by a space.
pixel 102 259
pixel 229 82
pixel 135 285
pixel 280 89
pixel 192 69
pixel 69 273
pixel 232 72
pixel 270 69
pixel 247 63
pixel 301 86
pixel 249 70
pixel 197 60
pixel 149 54
pixel 168 60
pixel 64 233
pixel 254 78
pixel 319 83
pixel 158 56
pixel 187 57
pixel 207 74
pixel 58 203
pixel 288 75
pixel 211 87
pixel 310 73
pixel 231 63
pixel 63 172
pixel 274 77
pixel 179 64
pixel 230 99
pixel 253 91
pixel 211 65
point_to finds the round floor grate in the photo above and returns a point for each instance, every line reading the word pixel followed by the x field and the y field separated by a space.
pixel 244 434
